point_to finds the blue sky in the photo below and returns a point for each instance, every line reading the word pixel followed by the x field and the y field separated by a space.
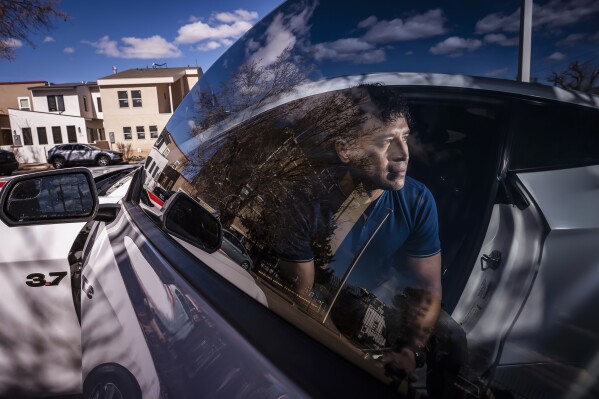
pixel 462 36
pixel 132 34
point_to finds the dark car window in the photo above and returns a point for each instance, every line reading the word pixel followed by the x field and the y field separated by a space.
pixel 66 147
pixel 550 135
pixel 278 178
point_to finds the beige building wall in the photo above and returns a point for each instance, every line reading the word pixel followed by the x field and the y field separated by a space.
pixel 10 94
pixel 161 91
pixel 117 118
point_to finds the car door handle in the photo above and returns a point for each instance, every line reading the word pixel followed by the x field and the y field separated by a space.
pixel 492 261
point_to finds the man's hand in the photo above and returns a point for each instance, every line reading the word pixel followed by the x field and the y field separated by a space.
pixel 400 365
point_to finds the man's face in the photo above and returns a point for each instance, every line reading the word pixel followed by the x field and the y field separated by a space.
pixel 379 157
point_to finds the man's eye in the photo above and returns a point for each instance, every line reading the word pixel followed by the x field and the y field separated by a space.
pixel 405 138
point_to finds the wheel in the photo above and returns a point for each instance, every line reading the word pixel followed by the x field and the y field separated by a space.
pixel 111 381
pixel 246 265
pixel 58 162
pixel 103 160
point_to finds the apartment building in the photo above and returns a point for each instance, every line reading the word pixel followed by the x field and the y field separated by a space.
pixel 59 113
pixel 138 103
pixel 15 95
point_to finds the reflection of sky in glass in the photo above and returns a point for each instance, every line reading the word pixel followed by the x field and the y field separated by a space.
pixel 459 37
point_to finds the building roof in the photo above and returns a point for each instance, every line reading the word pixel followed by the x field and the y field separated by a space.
pixel 29 82
pixel 137 73
pixel 66 86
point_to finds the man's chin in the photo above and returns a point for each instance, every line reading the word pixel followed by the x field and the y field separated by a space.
pixel 396 184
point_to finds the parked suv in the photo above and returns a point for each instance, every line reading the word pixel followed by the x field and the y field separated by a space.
pixel 8 163
pixel 235 250
pixel 71 154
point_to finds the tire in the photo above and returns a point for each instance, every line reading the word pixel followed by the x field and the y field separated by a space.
pixel 246 265
pixel 58 163
pixel 111 381
pixel 103 160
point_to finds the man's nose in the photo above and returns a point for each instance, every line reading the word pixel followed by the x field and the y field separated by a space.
pixel 398 150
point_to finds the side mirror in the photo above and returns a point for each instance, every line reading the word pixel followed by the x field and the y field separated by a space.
pixel 186 219
pixel 58 196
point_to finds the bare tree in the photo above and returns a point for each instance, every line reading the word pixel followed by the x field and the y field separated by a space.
pixel 125 149
pixel 581 76
pixel 21 18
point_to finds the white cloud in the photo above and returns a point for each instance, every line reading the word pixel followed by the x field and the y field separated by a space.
pixel 223 29
pixel 48 39
pixel 570 40
pixel 193 18
pixel 557 56
pixel 198 31
pixel 235 16
pixel 498 21
pixel 416 27
pixel 501 39
pixel 409 53
pixel 494 73
pixel 553 14
pixel 11 42
pixel 154 47
pixel 454 46
pixel 353 50
pixel 69 50
pixel 368 22
pixel 208 46
pixel 283 33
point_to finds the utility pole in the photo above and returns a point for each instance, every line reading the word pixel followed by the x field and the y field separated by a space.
pixel 525 41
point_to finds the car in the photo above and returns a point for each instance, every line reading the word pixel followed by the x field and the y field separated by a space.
pixel 261 142
pixel 235 250
pixel 8 163
pixel 82 154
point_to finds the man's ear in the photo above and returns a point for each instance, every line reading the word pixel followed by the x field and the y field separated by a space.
pixel 343 151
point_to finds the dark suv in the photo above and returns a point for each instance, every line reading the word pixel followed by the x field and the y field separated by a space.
pixel 70 154
pixel 8 163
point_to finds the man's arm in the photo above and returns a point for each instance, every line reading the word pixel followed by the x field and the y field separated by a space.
pixel 299 275
pixel 420 313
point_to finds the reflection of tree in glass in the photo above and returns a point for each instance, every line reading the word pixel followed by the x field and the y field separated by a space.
pixel 273 158
pixel 249 86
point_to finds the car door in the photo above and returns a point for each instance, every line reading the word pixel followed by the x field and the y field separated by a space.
pixel 79 154
pixel 552 342
pixel 40 336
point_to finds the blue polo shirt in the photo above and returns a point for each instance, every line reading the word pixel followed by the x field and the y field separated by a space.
pixel 411 229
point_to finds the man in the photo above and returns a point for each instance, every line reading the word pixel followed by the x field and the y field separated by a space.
pixel 393 222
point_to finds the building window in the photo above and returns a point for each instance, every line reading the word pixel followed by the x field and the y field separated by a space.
pixel 27 138
pixel 24 104
pixel 127 133
pixel 141 132
pixel 55 103
pixel 71 134
pixel 85 103
pixel 99 100
pixel 166 152
pixel 153 132
pixel 136 98
pixel 56 135
pixel 42 137
pixel 123 99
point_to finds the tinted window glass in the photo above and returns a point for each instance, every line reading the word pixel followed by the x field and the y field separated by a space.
pixel 27 137
pixel 41 135
pixel 56 134
pixel 319 184
pixel 555 134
